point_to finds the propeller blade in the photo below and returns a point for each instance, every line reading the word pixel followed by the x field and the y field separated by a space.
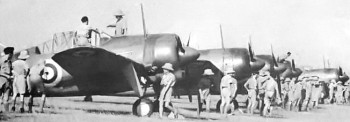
pixel 251 53
pixel 273 57
pixel 293 65
pixel 222 38
pixel 143 22
pixel 188 41
pixel 340 71
pixel 179 45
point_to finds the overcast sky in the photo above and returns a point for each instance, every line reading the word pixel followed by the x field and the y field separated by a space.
pixel 307 28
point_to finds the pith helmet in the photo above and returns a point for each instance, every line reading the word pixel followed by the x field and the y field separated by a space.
pixel 118 13
pixel 168 66
pixel 23 55
pixel 208 72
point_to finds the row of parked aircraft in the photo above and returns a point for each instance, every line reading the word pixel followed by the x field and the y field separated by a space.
pixel 132 63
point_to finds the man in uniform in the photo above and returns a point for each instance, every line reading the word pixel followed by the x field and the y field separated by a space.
pixel 347 91
pixel 307 87
pixel 84 33
pixel 297 94
pixel 20 71
pixel 228 88
pixel 204 88
pixel 284 57
pixel 316 92
pixel 291 88
pixel 251 87
pixel 271 87
pixel 167 83
pixel 6 76
pixel 331 87
pixel 285 90
pixel 339 93
pixel 119 25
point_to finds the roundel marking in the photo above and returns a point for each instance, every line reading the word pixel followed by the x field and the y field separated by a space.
pixel 52 74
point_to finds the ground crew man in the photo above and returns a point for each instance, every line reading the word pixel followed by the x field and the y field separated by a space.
pixel 262 78
pixel 307 87
pixel 331 87
pixel 20 72
pixel 167 83
pixel 84 33
pixel 6 77
pixel 251 85
pixel 291 87
pixel 204 88
pixel 339 93
pixel 285 91
pixel 347 91
pixel 271 87
pixel 297 94
pixel 284 57
pixel 316 92
pixel 119 25
pixel 228 88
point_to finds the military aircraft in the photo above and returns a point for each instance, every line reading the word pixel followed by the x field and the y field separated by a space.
pixel 108 70
pixel 120 64
pixel 327 74
pixel 242 60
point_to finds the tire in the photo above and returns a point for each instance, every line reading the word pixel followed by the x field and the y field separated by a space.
pixel 142 107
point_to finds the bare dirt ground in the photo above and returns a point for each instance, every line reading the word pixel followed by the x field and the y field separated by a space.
pixel 113 108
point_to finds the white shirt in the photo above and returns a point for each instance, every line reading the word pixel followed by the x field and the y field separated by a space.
pixel 84 30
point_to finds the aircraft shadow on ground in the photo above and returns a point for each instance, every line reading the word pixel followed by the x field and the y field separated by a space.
pixel 107 112
pixel 107 102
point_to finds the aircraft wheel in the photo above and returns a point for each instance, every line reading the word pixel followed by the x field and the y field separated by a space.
pixel 142 107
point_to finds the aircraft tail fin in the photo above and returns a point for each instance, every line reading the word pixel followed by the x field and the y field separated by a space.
pixel 133 79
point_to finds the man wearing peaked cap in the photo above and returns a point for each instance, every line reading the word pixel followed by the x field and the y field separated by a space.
pixel 167 83
pixel 204 88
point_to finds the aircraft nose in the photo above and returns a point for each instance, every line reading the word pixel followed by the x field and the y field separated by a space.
pixel 257 64
pixel 280 68
pixel 190 55
pixel 344 78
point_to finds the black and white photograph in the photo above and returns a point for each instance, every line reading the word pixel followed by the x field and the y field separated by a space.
pixel 174 60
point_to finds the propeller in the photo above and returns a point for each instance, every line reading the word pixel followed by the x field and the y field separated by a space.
pixel 340 71
pixel 188 41
pixel 293 65
pixel 273 58
pixel 251 53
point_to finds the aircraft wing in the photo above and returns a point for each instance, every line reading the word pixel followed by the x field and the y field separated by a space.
pixel 94 71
